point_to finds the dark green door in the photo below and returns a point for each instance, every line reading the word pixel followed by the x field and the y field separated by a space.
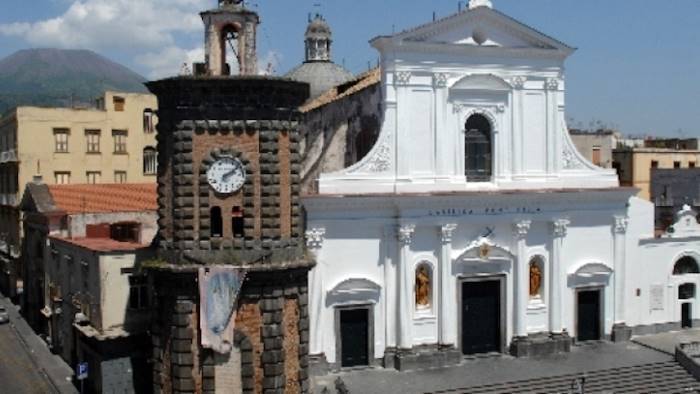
pixel 481 317
pixel 588 315
pixel 686 315
pixel 354 336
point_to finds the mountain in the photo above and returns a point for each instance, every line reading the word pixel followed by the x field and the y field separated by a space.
pixel 60 77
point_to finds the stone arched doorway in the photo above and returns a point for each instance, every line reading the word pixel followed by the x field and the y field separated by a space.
pixel 686 272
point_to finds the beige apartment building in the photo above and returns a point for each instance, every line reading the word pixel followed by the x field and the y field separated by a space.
pixel 113 142
pixel 634 165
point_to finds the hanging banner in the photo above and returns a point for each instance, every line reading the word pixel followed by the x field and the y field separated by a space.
pixel 218 293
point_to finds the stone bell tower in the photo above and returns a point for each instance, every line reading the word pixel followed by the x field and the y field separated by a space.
pixel 230 28
pixel 230 280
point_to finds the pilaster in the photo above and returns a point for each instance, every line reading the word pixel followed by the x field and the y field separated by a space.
pixel 559 231
pixel 390 290
pixel 447 322
pixel 621 332
pixel 405 326
pixel 314 243
pixel 521 278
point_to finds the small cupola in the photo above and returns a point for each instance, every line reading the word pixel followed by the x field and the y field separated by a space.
pixel 318 40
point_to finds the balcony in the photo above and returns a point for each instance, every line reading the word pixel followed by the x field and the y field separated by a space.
pixel 9 156
pixel 8 199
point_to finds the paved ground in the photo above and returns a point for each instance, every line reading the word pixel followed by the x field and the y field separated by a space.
pixel 590 357
pixel 668 341
pixel 17 371
pixel 26 364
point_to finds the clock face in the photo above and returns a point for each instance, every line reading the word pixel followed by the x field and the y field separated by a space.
pixel 226 176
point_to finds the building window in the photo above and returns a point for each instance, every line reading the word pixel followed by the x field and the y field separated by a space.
pixel 92 139
pixel 686 265
pixel 217 224
pixel 423 287
pixel 119 176
pixel 150 161
pixel 148 121
pixel 477 146
pixel 93 177
pixel 119 141
pixel 138 292
pixel 691 164
pixel 125 232
pixel 536 279
pixel 676 164
pixel 596 155
pixel 119 103
pixel 61 178
pixel 654 164
pixel 237 222
pixel 686 291
pixel 61 140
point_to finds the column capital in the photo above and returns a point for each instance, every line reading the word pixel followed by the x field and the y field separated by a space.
pixel 560 227
pixel 446 232
pixel 405 234
pixel 315 237
pixel 620 224
pixel 521 228
pixel 439 80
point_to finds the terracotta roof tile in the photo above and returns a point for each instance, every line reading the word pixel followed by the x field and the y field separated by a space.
pixel 102 244
pixel 363 81
pixel 105 198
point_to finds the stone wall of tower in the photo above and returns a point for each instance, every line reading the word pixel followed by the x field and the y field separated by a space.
pixel 271 335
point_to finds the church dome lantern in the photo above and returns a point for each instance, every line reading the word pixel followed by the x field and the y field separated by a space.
pixel 318 39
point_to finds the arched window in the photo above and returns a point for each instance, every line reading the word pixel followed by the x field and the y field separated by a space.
pixel 686 291
pixel 686 265
pixel 217 224
pixel 150 161
pixel 477 149
pixel 237 222
pixel 230 36
pixel 423 286
pixel 536 278
pixel 148 121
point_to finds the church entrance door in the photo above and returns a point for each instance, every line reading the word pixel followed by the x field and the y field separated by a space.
pixel 686 315
pixel 354 337
pixel 588 315
pixel 481 316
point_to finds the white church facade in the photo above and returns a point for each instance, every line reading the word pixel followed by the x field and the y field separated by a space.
pixel 474 225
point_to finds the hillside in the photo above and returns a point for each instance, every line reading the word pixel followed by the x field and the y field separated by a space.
pixel 58 77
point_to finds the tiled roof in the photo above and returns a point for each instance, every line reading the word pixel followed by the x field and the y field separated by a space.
pixel 105 198
pixel 363 81
pixel 102 244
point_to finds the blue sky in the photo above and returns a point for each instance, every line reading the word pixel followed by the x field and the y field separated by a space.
pixel 637 66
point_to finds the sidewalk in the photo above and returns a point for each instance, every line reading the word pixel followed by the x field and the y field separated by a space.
pixel 57 372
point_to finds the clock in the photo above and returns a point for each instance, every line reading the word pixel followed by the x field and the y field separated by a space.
pixel 226 176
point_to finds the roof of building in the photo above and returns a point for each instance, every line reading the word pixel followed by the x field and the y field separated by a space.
pixel 320 75
pixel 105 198
pixel 318 28
pixel 361 82
pixel 102 244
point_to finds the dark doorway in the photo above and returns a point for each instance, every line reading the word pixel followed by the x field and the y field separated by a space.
pixel 588 315
pixel 354 336
pixel 481 317
pixel 687 315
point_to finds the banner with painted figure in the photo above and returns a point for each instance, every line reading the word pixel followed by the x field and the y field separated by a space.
pixel 218 293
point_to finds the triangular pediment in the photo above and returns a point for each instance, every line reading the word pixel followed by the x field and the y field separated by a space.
pixel 480 27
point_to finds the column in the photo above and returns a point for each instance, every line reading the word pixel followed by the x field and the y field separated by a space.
pixel 390 291
pixel 521 278
pixel 559 228
pixel 405 295
pixel 447 322
pixel 620 330
pixel 314 242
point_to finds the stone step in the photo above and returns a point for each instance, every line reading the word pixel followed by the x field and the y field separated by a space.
pixel 665 377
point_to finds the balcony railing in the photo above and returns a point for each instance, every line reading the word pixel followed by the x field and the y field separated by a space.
pixel 9 156
pixel 8 199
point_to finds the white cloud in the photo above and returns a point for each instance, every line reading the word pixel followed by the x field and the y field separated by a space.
pixel 142 28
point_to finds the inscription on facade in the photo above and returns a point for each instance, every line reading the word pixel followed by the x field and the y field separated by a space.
pixel 656 297
pixel 453 212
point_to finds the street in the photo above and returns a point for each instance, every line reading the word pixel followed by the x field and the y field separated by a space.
pixel 17 372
